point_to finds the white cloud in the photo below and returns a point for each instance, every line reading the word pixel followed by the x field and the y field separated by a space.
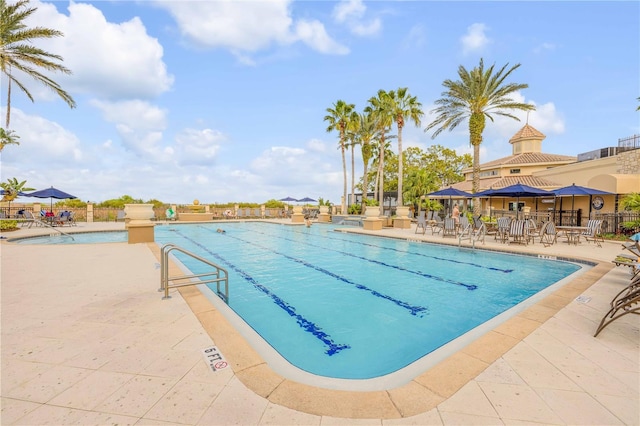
pixel 351 13
pixel 139 124
pixel 544 47
pixel 198 146
pixel 475 39
pixel 314 35
pixel 248 27
pixel 415 38
pixel 108 60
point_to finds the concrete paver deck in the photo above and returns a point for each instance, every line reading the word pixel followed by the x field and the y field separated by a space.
pixel 86 339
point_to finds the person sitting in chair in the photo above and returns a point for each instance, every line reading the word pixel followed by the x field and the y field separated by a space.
pixel 456 213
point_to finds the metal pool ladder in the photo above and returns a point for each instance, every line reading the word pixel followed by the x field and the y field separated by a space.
pixel 218 275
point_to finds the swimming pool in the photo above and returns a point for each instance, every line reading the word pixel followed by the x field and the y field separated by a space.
pixel 348 306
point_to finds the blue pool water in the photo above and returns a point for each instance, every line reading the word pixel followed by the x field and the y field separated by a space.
pixel 348 306
pixel 79 238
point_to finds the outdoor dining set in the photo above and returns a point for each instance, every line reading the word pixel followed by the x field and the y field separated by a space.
pixel 508 230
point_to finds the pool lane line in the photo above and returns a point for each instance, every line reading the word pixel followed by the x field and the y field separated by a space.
pixel 378 262
pixel 305 324
pixel 476 265
pixel 413 310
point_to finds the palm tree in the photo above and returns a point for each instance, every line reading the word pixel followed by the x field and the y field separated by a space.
pixel 368 134
pixel 353 138
pixel 17 53
pixel 339 119
pixel 12 188
pixel 478 94
pixel 403 107
pixel 8 137
pixel 380 108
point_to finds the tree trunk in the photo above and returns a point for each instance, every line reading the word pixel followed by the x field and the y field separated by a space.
pixel 381 176
pixel 343 205
pixel 400 166
pixel 353 176
pixel 8 117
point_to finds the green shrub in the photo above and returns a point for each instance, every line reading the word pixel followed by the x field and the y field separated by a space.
pixel 8 225
pixel 354 209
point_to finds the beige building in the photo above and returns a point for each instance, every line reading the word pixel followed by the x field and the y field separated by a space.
pixel 615 170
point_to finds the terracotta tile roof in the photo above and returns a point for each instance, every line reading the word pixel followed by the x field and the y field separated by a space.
pixel 529 158
pixel 497 183
pixel 527 132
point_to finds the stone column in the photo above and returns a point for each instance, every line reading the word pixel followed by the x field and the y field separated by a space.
pixel 140 226
pixel 324 216
pixel 297 216
pixel 89 213
pixel 372 221
pixel 402 220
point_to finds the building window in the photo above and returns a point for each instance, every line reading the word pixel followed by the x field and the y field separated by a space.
pixel 514 171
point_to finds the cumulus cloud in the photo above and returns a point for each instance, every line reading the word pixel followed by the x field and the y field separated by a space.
pixel 108 60
pixel 198 146
pixel 139 124
pixel 475 40
pixel 245 28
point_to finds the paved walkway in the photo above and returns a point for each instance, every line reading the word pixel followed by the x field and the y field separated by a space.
pixel 86 339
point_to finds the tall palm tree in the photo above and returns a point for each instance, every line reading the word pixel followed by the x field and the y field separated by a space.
pixel 478 94
pixel 339 117
pixel 353 138
pixel 403 107
pixel 17 53
pixel 368 134
pixel 380 108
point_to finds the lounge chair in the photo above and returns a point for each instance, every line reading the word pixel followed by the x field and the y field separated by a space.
pixel 548 235
pixel 422 223
pixel 627 302
pixel 171 214
pixel 594 232
pixel 120 215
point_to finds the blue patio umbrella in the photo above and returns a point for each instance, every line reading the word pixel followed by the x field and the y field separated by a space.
pixel 288 199
pixel 574 190
pixel 449 192
pixel 51 193
pixel 515 191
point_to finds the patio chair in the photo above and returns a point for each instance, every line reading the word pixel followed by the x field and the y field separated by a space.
pixel 120 215
pixel 533 231
pixel 465 229
pixel 437 224
pixel 30 220
pixel 549 234
pixel 621 305
pixel 502 230
pixel 518 232
pixel 422 223
pixel 450 227
pixel 594 232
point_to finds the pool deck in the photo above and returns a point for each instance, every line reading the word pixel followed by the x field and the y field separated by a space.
pixel 86 339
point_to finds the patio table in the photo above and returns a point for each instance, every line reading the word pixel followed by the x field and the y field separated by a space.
pixel 572 233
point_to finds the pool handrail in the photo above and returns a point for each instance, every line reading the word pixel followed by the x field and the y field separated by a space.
pixel 221 275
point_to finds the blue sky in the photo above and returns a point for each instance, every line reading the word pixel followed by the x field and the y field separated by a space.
pixel 224 100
